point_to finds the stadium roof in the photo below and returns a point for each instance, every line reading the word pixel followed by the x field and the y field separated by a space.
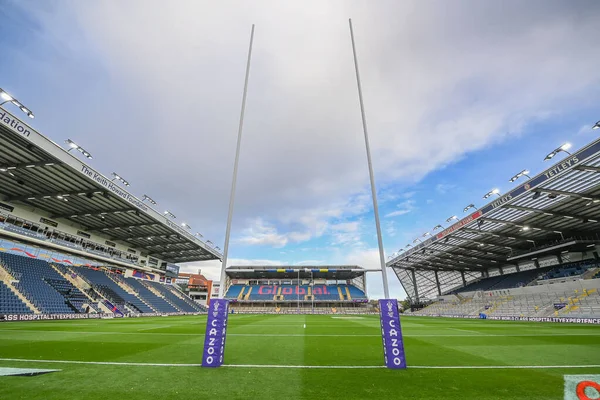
pixel 552 213
pixel 340 272
pixel 37 172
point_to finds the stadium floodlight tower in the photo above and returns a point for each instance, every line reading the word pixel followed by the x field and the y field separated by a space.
pixel 170 214
pixel 7 98
pixel 73 145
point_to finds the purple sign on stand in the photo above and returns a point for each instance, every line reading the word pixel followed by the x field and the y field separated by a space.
pixel 216 329
pixel 391 333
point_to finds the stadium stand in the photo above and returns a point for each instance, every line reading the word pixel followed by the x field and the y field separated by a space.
pixel 578 299
pixel 50 288
pixel 10 303
pixel 179 302
pixel 291 292
pixel 293 289
pixel 108 288
pixel 156 302
pixel 36 279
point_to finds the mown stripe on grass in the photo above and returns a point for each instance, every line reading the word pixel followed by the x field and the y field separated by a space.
pixel 134 364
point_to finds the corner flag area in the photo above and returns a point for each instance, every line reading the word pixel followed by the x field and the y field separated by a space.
pixel 274 356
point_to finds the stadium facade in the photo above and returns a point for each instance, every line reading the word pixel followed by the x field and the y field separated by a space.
pixel 73 241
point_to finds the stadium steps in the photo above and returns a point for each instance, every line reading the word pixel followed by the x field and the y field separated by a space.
pixel 8 280
pixel 247 295
pixel 119 281
pixel 348 293
pixel 121 284
pixel 158 293
pixel 497 304
pixel 77 281
pixel 590 273
pixel 241 295
pixel 183 297
pixel 340 293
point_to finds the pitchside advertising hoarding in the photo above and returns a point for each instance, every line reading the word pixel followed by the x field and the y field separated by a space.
pixel 216 330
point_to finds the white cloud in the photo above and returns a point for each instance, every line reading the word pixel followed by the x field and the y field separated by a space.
pixel 443 188
pixel 212 269
pixel 369 259
pixel 404 208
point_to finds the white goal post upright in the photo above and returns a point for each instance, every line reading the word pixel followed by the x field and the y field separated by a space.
pixel 370 165
pixel 235 170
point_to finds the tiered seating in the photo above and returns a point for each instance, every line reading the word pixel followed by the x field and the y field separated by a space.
pixel 31 274
pixel 355 292
pixel 73 295
pixel 174 299
pixel 10 303
pixel 508 281
pixel 519 279
pixel 159 304
pixel 292 292
pixel 113 292
pixel 234 291
pixel 573 269
pixel 483 284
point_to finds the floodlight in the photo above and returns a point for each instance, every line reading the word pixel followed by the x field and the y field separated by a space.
pixel 119 178
pixel 73 145
pixel 467 208
pixel 520 174
pixel 8 98
pixel 564 148
pixel 597 126
pixel 170 214
pixel 451 218
pixel 146 197
pixel 491 192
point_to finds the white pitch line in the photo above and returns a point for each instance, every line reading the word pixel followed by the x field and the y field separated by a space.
pixel 467 330
pixel 135 364
pixel 156 327
pixel 479 335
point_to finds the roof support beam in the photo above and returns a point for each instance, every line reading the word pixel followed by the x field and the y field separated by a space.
pixel 519 225
pixel 501 235
pixel 550 213
pixel 122 226
pixel 45 163
pixel 480 249
pixel 40 196
pixel 565 193
pixel 587 168
pixel 90 213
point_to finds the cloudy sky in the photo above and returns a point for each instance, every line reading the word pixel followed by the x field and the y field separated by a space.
pixel 459 97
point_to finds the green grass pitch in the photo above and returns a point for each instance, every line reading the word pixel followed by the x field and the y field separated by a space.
pixel 281 340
